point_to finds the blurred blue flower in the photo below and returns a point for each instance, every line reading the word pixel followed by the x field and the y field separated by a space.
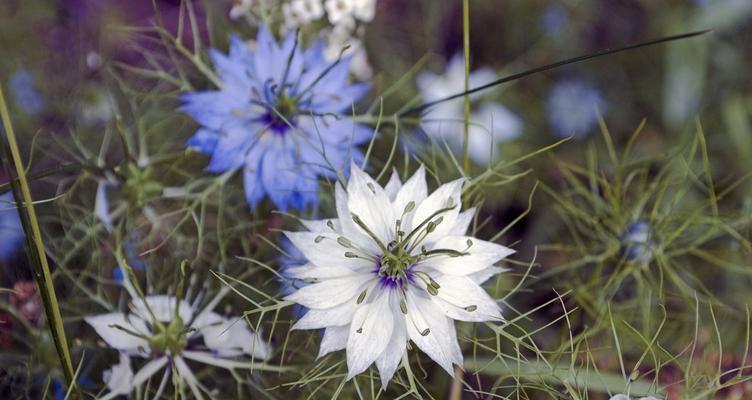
pixel 571 107
pixel 554 19
pixel 132 257
pixel 281 115
pixel 637 243
pixel 289 260
pixel 26 96
pixel 11 231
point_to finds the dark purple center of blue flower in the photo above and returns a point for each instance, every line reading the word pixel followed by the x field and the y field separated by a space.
pixel 282 116
pixel 394 280
pixel 278 124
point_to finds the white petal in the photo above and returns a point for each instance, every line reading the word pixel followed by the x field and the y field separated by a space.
pixel 311 271
pixel 349 229
pixel 414 190
pixel 211 359
pixel 463 222
pixel 389 360
pixel 102 205
pixel 151 368
pixel 370 333
pixel 331 292
pixel 393 186
pixel 205 319
pixel 491 125
pixel 335 339
pixel 323 250
pixel 163 307
pixel 458 292
pixel 116 338
pixel 233 337
pixel 483 275
pixel 186 375
pixel 226 338
pixel 324 318
pixel 441 342
pixel 368 200
pixel 119 378
pixel 447 193
pixel 322 225
pixel 619 397
pixel 481 255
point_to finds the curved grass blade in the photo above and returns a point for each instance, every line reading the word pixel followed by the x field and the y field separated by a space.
pixel 36 253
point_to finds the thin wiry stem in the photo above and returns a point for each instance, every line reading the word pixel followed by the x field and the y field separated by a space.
pixel 466 124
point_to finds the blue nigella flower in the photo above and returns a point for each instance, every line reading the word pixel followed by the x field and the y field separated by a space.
pixel 11 231
pixel 637 242
pixel 26 96
pixel 281 115
pixel 571 107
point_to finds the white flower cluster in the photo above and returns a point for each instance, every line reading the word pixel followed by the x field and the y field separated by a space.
pixel 339 10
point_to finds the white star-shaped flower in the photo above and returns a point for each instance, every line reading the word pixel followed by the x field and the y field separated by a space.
pixel 396 265
pixel 162 329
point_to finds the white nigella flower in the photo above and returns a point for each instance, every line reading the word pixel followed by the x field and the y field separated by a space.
pixel 490 124
pixel 164 330
pixel 396 265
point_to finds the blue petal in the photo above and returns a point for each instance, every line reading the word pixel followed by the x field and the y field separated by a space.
pixel 235 139
pixel 204 140
pixel 240 53
pixel 11 232
pixel 212 109
pixel 230 71
pixel 285 178
pixel 253 187
pixel 338 99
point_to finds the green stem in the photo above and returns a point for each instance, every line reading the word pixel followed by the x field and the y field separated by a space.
pixel 466 46
pixel 35 244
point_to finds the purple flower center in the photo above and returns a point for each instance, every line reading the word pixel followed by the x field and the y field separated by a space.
pixel 393 281
pixel 277 124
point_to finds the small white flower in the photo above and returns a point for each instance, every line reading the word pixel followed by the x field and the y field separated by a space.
pixel 396 265
pixel 162 330
pixel 243 7
pixel 625 397
pixel 337 10
pixel 364 10
pixel 301 12
pixel 490 125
